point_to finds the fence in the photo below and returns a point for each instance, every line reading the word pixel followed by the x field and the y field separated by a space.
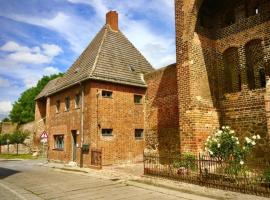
pixel 203 170
pixel 96 158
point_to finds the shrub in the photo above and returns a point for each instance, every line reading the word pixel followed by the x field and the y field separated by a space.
pixel 224 146
pixel 266 176
pixel 187 160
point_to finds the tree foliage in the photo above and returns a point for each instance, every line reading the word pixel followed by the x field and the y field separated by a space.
pixel 4 138
pixel 18 137
pixel 6 119
pixel 23 110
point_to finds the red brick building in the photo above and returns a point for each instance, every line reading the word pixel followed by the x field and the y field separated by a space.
pixel 223 64
pixel 220 78
pixel 98 103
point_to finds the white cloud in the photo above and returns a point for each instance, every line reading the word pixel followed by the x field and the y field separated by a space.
pixel 51 50
pixel 5 107
pixel 13 46
pixel 51 70
pixel 27 57
pixel 27 63
pixel 79 31
pixel 35 55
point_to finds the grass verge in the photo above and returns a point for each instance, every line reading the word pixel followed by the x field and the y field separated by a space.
pixel 14 156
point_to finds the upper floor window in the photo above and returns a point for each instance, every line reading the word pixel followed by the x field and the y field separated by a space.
pixel 138 99
pixel 107 94
pixel 107 132
pixel 57 106
pixel 67 103
pixel 138 133
pixel 77 100
pixel 59 142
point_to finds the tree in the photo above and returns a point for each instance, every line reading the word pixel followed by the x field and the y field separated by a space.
pixel 18 137
pixel 23 110
pixel 6 119
pixel 3 140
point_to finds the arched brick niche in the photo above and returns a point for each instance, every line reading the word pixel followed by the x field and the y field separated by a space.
pixel 232 72
pixel 255 64
pixel 216 64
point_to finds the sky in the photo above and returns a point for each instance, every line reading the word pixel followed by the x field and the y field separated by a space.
pixel 44 37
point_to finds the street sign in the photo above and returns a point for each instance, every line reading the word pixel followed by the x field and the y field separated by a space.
pixel 44 137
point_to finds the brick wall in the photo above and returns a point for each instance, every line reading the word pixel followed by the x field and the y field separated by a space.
pixel 206 71
pixel 161 111
pixel 8 127
pixel 119 113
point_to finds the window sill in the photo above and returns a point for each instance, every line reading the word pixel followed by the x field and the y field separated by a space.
pixel 106 97
pixel 107 135
pixel 139 139
pixel 58 149
pixel 138 103
pixel 67 110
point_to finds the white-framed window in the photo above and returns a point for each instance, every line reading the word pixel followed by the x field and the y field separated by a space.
pixel 59 142
pixel 138 99
pixel 107 132
pixel 107 94
pixel 77 101
pixel 67 103
pixel 138 134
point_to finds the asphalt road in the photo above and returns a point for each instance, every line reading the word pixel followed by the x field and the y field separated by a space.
pixel 26 180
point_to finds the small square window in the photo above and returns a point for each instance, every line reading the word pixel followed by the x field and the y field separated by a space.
pixel 57 106
pixel 77 100
pixel 59 142
pixel 107 94
pixel 107 132
pixel 138 99
pixel 138 133
pixel 67 103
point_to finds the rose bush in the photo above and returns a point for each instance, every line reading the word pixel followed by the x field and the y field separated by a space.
pixel 225 146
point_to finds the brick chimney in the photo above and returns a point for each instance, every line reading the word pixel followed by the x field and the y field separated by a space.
pixel 112 20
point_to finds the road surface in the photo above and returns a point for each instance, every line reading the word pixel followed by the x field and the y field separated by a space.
pixel 26 180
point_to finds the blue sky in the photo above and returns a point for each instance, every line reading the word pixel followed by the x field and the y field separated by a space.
pixel 42 37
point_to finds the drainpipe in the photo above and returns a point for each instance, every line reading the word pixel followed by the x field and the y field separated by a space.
pixel 82 121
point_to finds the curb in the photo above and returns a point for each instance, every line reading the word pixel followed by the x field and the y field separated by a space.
pixel 143 183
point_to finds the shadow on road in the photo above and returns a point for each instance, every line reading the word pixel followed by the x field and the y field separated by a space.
pixel 4 172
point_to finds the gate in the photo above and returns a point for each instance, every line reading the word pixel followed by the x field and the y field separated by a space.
pixel 96 158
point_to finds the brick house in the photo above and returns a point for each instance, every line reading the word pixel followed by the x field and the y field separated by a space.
pixel 220 78
pixel 98 103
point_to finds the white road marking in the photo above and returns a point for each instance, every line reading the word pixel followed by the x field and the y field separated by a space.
pixel 12 191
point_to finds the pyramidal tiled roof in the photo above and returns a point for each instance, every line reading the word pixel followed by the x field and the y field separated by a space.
pixel 110 57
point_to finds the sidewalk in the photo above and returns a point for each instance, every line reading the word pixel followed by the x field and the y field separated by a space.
pixel 132 174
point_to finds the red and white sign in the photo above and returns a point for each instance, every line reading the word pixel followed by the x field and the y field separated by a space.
pixel 44 137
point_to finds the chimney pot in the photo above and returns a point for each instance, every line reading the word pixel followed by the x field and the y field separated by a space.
pixel 112 20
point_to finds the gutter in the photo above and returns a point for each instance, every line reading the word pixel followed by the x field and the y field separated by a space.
pixel 82 122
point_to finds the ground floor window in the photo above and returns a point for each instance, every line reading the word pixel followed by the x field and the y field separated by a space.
pixel 59 142
pixel 107 132
pixel 138 133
